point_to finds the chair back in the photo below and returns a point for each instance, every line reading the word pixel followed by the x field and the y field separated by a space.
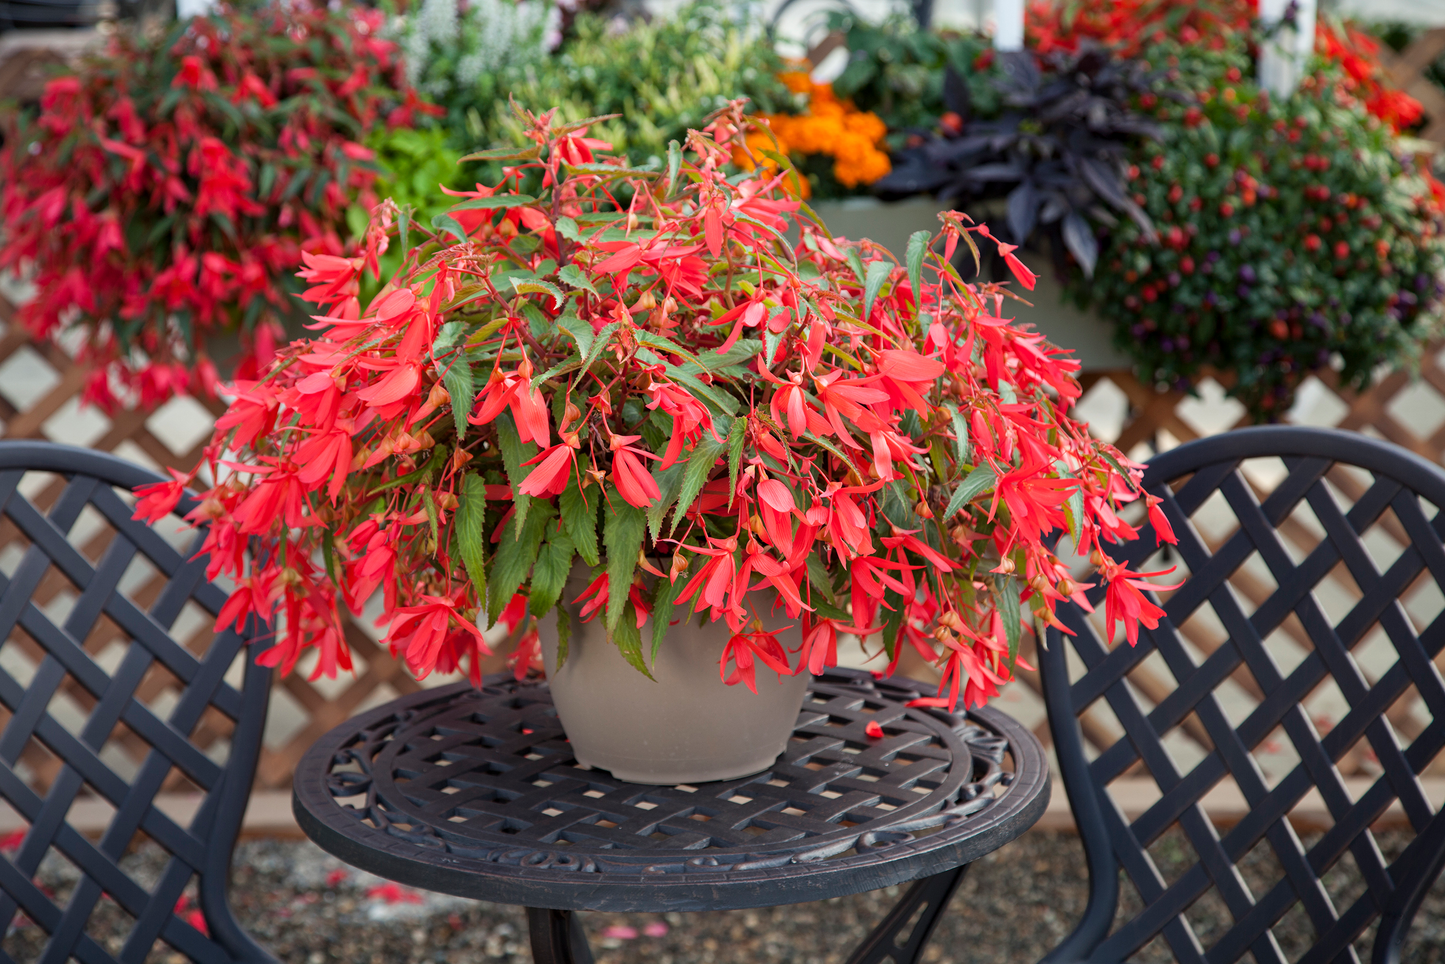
pixel 1297 659
pixel 123 717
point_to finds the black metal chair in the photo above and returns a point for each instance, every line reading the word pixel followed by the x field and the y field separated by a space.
pixel 114 689
pixel 1305 574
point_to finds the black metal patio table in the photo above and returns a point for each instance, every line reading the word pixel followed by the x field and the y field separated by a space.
pixel 474 792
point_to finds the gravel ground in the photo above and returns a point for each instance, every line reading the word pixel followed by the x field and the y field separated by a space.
pixel 309 908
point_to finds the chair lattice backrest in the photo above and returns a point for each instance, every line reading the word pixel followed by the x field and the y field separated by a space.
pixel 123 718
pixel 1297 659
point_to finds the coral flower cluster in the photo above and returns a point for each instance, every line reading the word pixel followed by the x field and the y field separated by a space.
pixel 830 128
pixel 710 418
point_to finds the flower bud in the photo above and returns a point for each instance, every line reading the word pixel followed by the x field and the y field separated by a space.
pixel 1066 586
pixel 645 303
pixel 679 566
pixel 1005 565
pixel 210 509
pixel 922 510
pixel 570 414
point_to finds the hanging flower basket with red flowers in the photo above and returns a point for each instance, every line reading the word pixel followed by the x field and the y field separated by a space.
pixel 713 420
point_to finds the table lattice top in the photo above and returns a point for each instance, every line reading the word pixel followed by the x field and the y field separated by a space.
pixel 475 793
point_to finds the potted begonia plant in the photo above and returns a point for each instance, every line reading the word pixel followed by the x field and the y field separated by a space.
pixel 657 437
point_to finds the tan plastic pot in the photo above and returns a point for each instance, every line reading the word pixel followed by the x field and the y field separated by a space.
pixel 688 726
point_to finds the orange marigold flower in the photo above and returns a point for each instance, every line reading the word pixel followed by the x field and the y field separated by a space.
pixel 833 128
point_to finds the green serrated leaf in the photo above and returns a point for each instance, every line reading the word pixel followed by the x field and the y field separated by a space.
pixel 458 383
pixel 878 272
pixel 571 363
pixel 403 229
pixel 503 154
pixel 438 455
pixel 622 537
pixel 493 203
pixel 917 250
pixel 1006 598
pixel 470 522
pixel 1074 514
pixel 579 515
pixel 581 331
pixel 567 228
pixel 532 287
pixel 611 170
pixel 977 482
pixel 699 467
pixel 674 164
pixel 855 261
pixel 429 503
pixel 515 555
pixel 451 334
pixel 737 434
pixel 669 483
pixel 628 638
pixel 892 621
pixel 960 432
pixel 564 635
pixel 514 453
pixel 328 554
pixel 772 340
pixel 664 595
pixel 449 224
pixel 604 337
pixel 1115 463
pixel 835 450
pixel 572 275
pixel 549 575
pixel 666 344
pixel 743 351
pixel 707 394
pixel 818 576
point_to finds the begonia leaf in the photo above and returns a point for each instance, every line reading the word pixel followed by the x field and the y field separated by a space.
pixel 515 554
pixel 579 515
pixel 622 535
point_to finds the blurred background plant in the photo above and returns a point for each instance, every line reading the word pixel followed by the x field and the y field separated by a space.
pixel 1054 151
pixel 1294 235
pixel 896 70
pixel 467 56
pixel 663 77
pixel 161 197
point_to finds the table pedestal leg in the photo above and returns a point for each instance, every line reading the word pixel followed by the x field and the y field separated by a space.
pixel 903 934
pixel 557 937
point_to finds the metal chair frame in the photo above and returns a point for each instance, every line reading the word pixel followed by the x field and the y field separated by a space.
pixel 201 850
pixel 1395 890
